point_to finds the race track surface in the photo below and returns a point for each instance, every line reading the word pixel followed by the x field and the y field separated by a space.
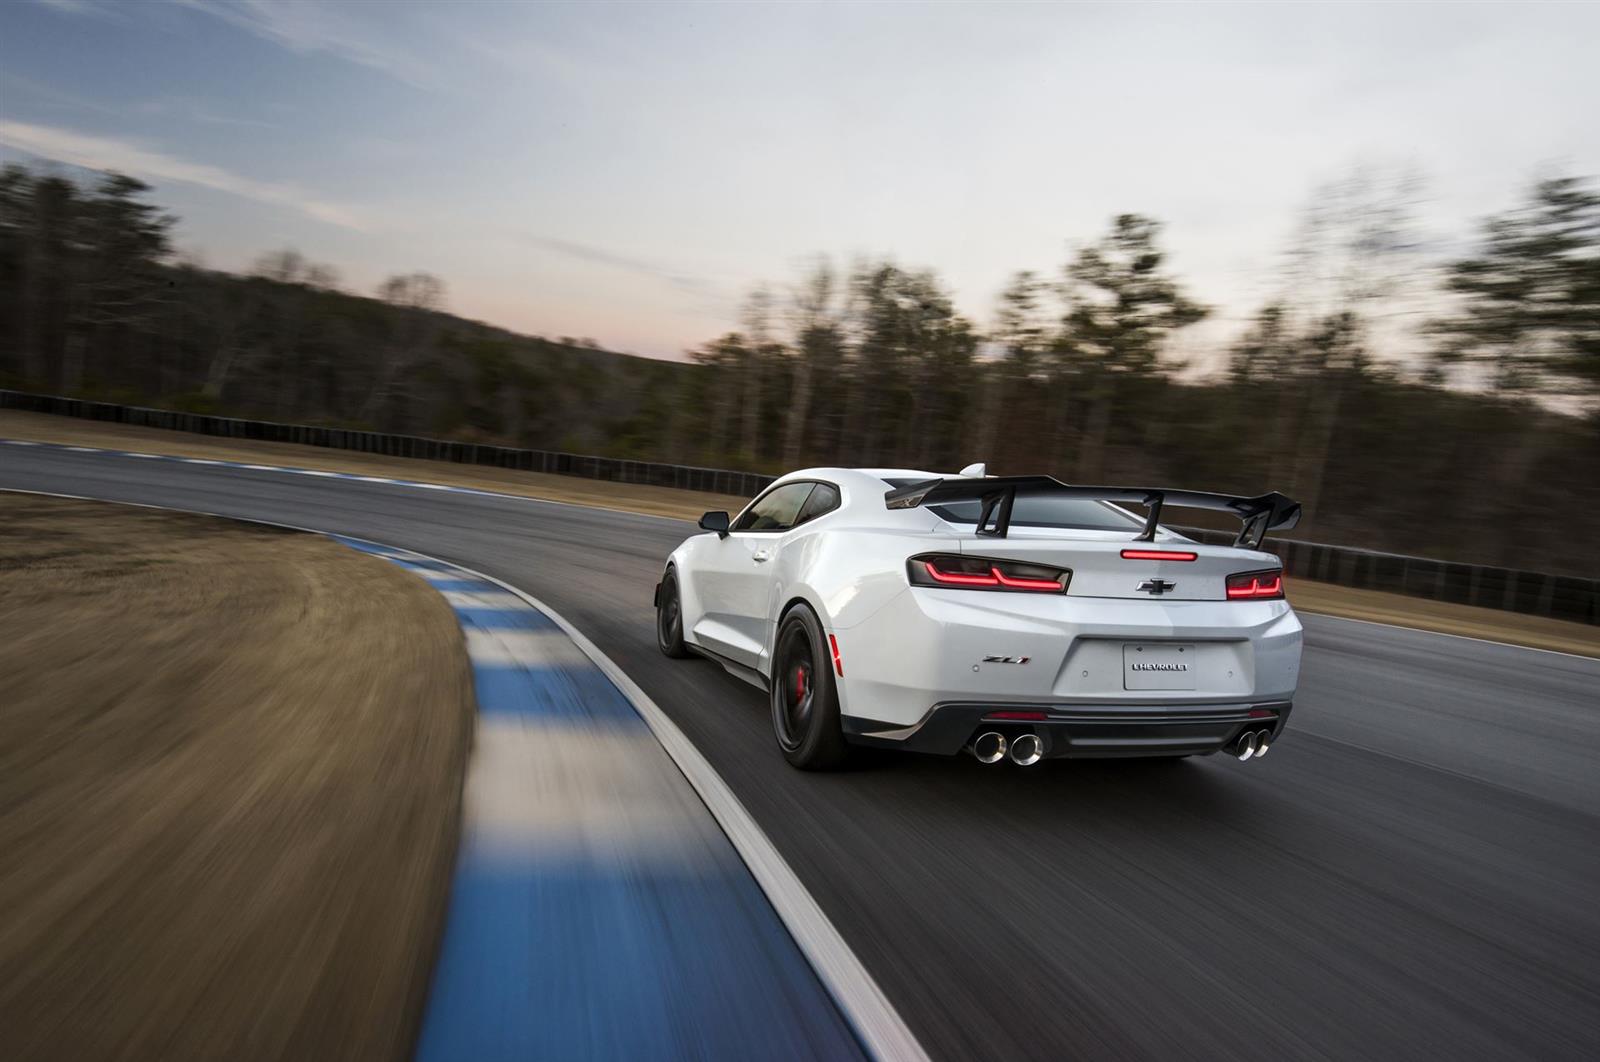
pixel 1411 872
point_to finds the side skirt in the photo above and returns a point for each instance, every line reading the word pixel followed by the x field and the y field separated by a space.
pixel 732 667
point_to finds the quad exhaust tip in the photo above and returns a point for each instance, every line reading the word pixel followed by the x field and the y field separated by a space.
pixel 1253 744
pixel 1026 750
pixel 989 747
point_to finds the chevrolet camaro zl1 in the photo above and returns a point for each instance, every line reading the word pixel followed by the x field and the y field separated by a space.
pixel 1009 616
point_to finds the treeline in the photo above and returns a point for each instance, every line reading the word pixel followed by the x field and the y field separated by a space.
pixel 1446 409
pixel 94 304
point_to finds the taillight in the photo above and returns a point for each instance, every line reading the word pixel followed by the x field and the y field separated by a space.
pixel 1159 554
pixel 1256 585
pixel 952 571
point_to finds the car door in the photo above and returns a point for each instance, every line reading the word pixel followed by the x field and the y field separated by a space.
pixel 735 575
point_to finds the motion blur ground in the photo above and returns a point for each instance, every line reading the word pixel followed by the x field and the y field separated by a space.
pixel 230 788
pixel 1408 874
pixel 597 911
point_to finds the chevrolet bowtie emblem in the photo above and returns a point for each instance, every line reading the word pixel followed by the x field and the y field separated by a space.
pixel 1157 586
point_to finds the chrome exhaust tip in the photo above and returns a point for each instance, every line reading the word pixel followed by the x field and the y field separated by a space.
pixel 989 747
pixel 1246 747
pixel 1026 750
pixel 1263 739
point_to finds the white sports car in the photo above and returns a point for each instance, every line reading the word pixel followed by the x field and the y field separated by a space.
pixel 1008 616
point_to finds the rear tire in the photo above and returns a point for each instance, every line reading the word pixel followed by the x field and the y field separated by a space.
pixel 669 618
pixel 805 699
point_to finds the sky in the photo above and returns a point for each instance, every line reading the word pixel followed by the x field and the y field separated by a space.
pixel 628 172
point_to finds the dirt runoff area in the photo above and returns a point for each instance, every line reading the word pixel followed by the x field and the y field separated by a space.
pixel 230 788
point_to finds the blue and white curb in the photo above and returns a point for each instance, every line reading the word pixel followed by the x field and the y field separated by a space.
pixel 597 910
pixel 852 988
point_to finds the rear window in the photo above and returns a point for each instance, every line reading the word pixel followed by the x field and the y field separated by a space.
pixel 1039 510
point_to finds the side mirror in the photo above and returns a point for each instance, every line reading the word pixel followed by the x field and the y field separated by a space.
pixel 716 520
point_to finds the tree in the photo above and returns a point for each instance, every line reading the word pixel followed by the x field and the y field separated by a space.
pixel 757 319
pixel 817 347
pixel 1530 294
pixel 725 361
pixel 1122 309
pixel 116 280
pixel 418 298
pixel 1022 335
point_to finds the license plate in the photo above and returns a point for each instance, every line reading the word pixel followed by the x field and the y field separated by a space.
pixel 1158 666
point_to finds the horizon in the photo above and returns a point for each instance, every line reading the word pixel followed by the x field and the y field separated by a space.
pixel 633 198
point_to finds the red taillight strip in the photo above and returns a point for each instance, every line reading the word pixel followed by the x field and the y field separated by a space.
pixel 960 578
pixel 1032 717
pixel 1269 586
pixel 838 665
pixel 1158 554
pixel 1025 584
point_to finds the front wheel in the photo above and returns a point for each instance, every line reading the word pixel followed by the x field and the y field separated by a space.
pixel 669 617
pixel 805 700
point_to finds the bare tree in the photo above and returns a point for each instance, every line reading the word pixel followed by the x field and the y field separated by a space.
pixel 757 318
pixel 816 345
pixel 420 297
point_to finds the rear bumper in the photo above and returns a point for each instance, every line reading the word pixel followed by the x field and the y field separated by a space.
pixel 1078 730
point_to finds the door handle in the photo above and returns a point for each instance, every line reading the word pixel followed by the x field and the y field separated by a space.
pixel 761 555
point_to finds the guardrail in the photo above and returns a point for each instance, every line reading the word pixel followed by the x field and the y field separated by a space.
pixel 1534 593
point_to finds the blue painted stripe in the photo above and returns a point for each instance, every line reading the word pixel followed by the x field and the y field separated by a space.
pixel 552 693
pixel 465 586
pixel 504 619
pixel 571 963
pixel 596 909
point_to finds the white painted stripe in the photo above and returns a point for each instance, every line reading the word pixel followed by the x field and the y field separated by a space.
pixel 547 648
pixel 396 554
pixel 22 442
pixel 488 597
pixel 84 449
pixel 147 457
pixel 316 472
pixel 376 479
pixel 542 790
pixel 204 461
pixel 262 468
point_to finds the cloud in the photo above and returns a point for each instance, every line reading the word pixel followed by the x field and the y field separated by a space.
pixel 600 256
pixel 73 7
pixel 105 153
pixel 307 27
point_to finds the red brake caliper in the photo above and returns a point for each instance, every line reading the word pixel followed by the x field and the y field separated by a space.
pixel 799 684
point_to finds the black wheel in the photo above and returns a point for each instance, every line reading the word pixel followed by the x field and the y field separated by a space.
pixel 669 617
pixel 805 701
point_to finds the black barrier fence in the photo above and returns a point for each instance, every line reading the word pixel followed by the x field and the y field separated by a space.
pixel 656 474
pixel 1535 593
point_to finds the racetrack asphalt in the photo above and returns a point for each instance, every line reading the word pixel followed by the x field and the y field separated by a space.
pixel 1411 872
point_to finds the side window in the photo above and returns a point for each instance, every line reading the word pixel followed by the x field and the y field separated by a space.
pixel 777 510
pixel 825 499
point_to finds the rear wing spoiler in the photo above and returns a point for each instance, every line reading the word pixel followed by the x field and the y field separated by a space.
pixel 1268 512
